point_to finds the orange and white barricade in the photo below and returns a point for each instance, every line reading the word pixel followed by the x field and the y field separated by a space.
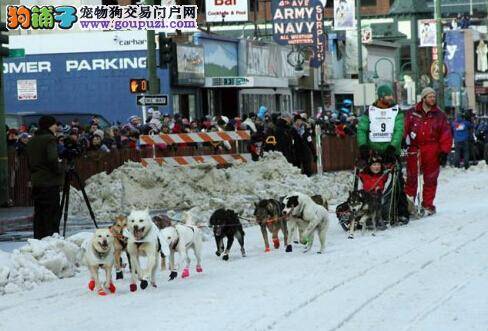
pixel 198 137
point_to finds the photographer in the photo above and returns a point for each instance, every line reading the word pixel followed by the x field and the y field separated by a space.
pixel 47 176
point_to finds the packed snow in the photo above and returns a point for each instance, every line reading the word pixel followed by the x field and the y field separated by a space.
pixel 428 275
pixel 203 187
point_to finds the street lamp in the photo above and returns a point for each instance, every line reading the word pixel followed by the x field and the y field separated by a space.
pixel 402 71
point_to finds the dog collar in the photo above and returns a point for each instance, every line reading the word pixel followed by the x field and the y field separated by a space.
pixel 100 255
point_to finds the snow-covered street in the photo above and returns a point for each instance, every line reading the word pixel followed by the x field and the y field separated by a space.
pixel 428 275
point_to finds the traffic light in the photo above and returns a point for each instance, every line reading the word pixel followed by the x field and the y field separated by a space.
pixel 4 51
pixel 167 50
pixel 138 85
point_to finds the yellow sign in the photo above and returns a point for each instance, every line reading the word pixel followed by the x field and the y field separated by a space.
pixel 434 70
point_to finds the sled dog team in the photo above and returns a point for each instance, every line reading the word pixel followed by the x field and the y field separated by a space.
pixel 137 235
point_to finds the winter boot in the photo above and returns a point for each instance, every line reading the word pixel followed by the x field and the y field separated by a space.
pixel 429 211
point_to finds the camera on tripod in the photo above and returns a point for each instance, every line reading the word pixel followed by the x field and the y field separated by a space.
pixel 71 150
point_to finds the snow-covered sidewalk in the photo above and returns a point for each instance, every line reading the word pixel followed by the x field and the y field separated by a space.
pixel 429 275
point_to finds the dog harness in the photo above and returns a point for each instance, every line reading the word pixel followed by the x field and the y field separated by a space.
pixel 175 244
pixel 93 257
pixel 150 237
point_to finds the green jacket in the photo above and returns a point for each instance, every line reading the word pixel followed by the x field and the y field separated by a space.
pixel 45 168
pixel 363 133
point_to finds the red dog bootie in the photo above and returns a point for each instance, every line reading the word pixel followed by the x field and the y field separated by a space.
pixel 133 287
pixel 101 292
pixel 186 273
pixel 91 284
pixel 267 250
pixel 199 268
pixel 112 288
pixel 276 243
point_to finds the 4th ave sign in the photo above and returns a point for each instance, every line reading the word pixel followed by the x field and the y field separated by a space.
pixel 152 100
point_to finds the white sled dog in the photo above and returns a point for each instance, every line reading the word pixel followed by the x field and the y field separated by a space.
pixel 316 216
pixel 180 238
pixel 142 240
pixel 98 253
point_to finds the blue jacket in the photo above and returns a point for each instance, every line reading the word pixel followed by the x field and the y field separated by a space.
pixel 461 130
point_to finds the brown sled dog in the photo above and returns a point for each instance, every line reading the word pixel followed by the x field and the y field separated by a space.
pixel 120 243
pixel 269 216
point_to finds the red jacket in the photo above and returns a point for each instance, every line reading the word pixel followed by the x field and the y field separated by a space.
pixel 373 182
pixel 428 129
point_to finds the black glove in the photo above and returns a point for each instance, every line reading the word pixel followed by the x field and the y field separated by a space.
pixel 173 275
pixel 443 159
pixel 390 154
pixel 364 152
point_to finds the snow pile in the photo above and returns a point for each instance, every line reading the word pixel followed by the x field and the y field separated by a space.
pixel 40 261
pixel 205 187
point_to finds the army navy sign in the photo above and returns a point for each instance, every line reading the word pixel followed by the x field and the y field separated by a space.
pixel 300 22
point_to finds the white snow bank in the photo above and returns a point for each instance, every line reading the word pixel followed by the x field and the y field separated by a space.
pixel 40 261
pixel 205 187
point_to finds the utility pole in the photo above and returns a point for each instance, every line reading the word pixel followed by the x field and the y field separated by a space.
pixel 4 196
pixel 360 42
pixel 440 54
pixel 360 52
pixel 151 58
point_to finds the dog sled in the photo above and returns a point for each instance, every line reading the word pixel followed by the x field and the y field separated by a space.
pixel 361 217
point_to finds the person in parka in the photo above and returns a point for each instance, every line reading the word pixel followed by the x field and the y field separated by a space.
pixel 303 146
pixel 47 176
pixel 429 138
pixel 284 137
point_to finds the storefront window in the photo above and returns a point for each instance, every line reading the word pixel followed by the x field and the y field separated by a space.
pixel 185 105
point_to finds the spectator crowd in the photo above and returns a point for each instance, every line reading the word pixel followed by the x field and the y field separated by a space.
pixel 291 134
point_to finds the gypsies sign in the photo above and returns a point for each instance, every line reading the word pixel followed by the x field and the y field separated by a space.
pixel 300 22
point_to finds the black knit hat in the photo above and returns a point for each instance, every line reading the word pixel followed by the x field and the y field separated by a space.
pixel 45 122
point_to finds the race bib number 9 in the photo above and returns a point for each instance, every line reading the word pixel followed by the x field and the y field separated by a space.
pixel 382 124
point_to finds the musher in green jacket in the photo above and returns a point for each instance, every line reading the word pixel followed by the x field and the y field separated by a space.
pixel 380 131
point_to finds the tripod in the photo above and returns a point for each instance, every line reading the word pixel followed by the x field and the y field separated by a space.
pixel 69 176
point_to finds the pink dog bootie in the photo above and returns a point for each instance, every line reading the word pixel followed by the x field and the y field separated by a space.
pixel 91 284
pixel 276 243
pixel 199 268
pixel 133 287
pixel 112 288
pixel 267 250
pixel 186 273
pixel 101 292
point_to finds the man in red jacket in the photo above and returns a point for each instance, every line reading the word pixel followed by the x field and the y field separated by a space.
pixel 428 134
